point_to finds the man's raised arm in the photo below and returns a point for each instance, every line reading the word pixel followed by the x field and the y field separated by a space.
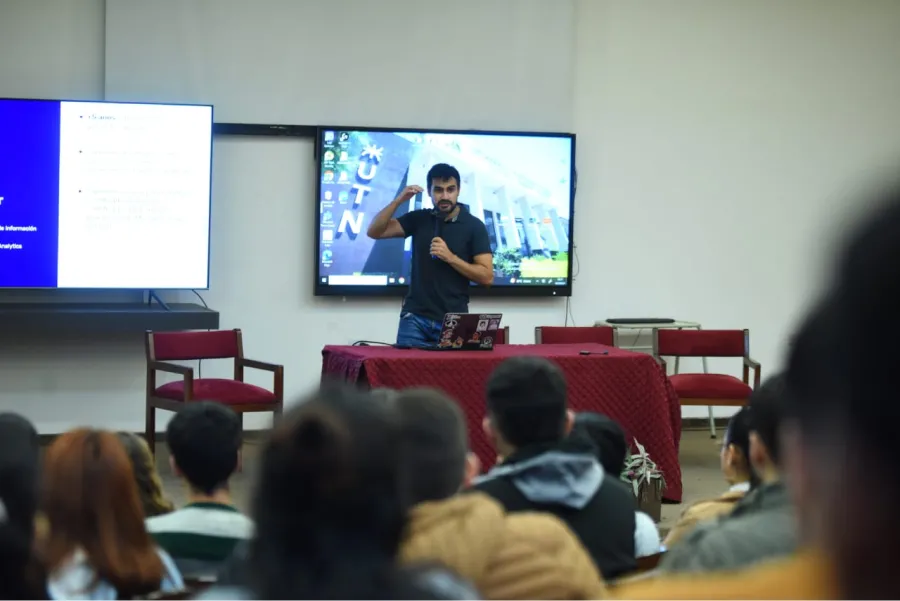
pixel 384 225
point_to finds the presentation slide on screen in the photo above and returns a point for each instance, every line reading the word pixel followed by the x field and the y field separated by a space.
pixel 104 195
pixel 519 186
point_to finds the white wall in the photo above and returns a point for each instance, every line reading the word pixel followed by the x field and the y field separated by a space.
pixel 716 143
pixel 715 139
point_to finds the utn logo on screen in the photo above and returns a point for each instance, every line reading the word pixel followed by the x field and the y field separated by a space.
pixel 352 219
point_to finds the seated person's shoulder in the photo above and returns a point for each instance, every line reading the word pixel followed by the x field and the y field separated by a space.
pixel 707 509
pixel 558 564
pixel 540 531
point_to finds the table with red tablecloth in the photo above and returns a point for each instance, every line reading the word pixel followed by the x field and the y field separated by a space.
pixel 627 386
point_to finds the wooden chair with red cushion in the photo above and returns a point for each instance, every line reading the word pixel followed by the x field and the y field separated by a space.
pixel 575 335
pixel 502 336
pixel 163 347
pixel 708 389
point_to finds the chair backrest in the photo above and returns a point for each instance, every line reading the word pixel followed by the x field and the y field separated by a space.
pixel 702 343
pixel 179 346
pixel 502 336
pixel 574 335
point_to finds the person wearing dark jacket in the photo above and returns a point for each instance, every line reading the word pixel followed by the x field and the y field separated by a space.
pixel 543 470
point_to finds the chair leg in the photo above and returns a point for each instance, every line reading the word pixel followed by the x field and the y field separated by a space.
pixel 712 423
pixel 150 428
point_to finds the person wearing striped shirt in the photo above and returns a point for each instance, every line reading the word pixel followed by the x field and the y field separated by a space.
pixel 204 442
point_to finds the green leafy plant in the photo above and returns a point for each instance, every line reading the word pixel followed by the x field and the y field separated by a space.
pixel 508 262
pixel 640 470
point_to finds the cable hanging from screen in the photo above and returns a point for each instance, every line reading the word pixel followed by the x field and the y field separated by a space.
pixel 200 361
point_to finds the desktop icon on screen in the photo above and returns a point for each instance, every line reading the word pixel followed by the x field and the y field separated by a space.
pixel 345 136
pixel 328 176
pixel 327 195
pixel 329 155
pixel 343 196
pixel 329 136
pixel 326 256
pixel 327 235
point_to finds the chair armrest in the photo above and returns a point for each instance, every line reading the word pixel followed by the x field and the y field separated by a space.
pixel 277 373
pixel 172 368
pixel 757 371
pixel 254 364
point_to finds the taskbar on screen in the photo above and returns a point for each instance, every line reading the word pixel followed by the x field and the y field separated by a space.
pixel 370 279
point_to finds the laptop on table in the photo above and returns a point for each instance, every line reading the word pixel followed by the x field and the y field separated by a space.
pixel 468 332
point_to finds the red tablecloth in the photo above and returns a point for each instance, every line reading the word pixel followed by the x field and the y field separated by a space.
pixel 629 387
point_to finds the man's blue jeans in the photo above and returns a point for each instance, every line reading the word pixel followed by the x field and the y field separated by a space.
pixel 417 331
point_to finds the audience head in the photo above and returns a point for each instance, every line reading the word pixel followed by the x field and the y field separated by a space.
pixel 91 501
pixel 435 446
pixel 526 404
pixel 606 436
pixel 735 455
pixel 843 451
pixel 204 439
pixel 149 485
pixel 767 407
pixel 19 465
pixel 329 507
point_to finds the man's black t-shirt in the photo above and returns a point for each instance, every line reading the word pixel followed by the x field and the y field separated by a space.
pixel 435 288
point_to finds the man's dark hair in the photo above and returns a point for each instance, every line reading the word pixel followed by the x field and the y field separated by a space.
pixel 843 383
pixel 606 436
pixel 205 439
pixel 433 432
pixel 526 400
pixel 864 358
pixel 442 172
pixel 767 410
pixel 811 376
pixel 738 434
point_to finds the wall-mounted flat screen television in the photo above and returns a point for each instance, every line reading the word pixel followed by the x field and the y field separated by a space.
pixel 519 184
pixel 104 195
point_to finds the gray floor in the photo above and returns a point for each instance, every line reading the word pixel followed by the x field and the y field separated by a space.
pixel 699 464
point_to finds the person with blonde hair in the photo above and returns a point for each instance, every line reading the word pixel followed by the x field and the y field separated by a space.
pixel 146 477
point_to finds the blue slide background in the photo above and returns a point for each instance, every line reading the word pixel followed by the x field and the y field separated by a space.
pixel 29 183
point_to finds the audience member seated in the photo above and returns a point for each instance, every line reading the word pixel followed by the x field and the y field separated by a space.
pixel 204 442
pixel 97 546
pixel 544 470
pixel 762 525
pixel 845 553
pixel 518 556
pixel 330 509
pixel 21 573
pixel 149 485
pixel 735 461
pixel 608 439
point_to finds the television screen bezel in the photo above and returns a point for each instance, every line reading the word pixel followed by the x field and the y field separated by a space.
pixel 212 122
pixel 399 291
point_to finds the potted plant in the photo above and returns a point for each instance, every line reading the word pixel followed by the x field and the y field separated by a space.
pixel 646 479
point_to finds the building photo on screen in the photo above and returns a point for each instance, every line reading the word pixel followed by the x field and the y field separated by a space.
pixel 520 185
pixel 104 195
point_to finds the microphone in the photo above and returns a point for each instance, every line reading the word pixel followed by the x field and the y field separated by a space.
pixel 438 222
